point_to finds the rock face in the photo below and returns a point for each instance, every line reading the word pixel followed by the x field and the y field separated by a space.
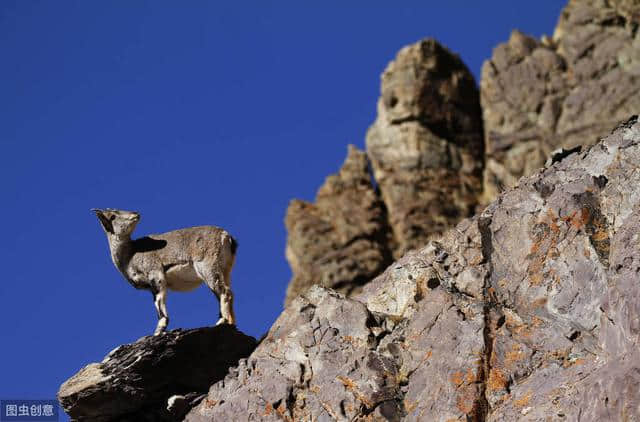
pixel 135 381
pixel 528 311
pixel 538 96
pixel 341 241
pixel 563 250
pixel 426 144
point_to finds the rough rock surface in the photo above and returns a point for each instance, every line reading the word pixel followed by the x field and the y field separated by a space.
pixel 135 381
pixel 539 96
pixel 426 144
pixel 528 311
pixel 341 240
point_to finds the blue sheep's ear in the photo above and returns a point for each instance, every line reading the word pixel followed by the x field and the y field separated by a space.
pixel 106 223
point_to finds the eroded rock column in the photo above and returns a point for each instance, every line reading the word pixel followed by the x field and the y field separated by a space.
pixel 426 144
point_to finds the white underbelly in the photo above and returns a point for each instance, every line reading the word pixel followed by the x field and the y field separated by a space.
pixel 182 277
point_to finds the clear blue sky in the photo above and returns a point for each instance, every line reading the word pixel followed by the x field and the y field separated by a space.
pixel 191 113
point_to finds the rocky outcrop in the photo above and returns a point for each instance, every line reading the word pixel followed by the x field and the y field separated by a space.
pixel 538 97
pixel 426 144
pixel 341 241
pixel 426 154
pixel 157 378
pixel 527 311
pixel 542 95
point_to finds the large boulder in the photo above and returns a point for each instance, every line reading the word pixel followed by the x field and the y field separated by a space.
pixel 528 311
pixel 157 378
pixel 542 95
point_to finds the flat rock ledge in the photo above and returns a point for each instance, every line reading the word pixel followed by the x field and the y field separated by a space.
pixel 138 381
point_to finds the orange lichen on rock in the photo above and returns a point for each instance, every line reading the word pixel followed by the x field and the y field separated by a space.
pixel 268 409
pixel 346 381
pixel 210 403
pixel 545 240
pixel 514 355
pixel 350 385
pixel 467 391
pixel 471 376
pixel 522 331
pixel 569 362
pixel 536 279
pixel 410 406
pixel 457 378
pixel 553 220
pixel 578 219
pixel 282 412
pixel 514 325
pixel 465 402
pixel 539 303
pixel 537 322
pixel 497 380
pixel 524 400
pixel 600 235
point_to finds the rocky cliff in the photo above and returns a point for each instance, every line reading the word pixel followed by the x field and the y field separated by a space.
pixel 437 157
pixel 528 311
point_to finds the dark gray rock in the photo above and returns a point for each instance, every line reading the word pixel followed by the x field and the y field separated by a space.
pixel 135 381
